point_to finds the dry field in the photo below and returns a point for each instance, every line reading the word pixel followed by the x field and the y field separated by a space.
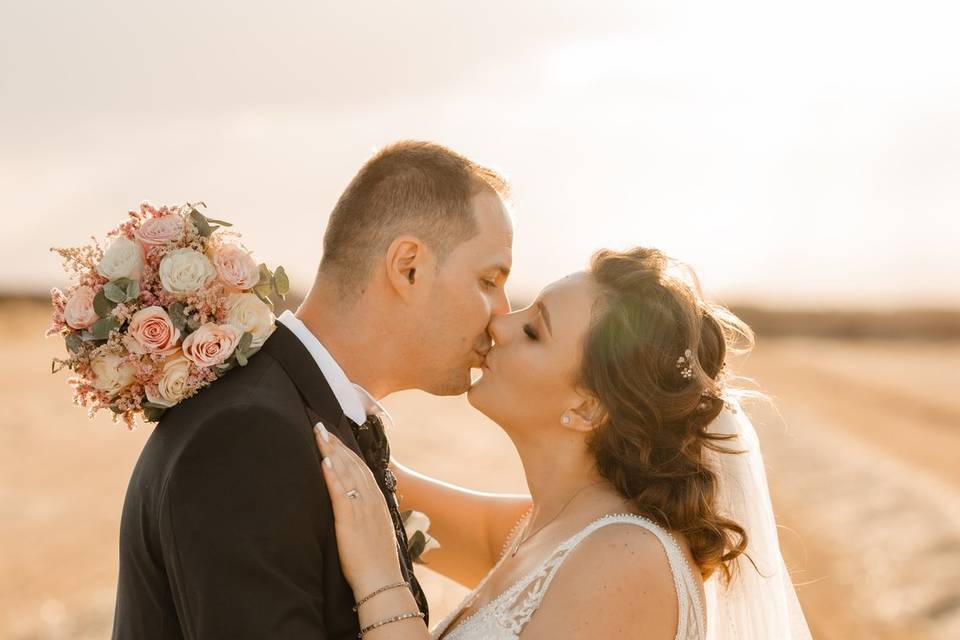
pixel 862 459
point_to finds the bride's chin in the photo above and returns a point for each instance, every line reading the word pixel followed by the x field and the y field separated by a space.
pixel 475 392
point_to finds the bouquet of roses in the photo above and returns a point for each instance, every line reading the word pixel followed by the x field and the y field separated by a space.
pixel 173 303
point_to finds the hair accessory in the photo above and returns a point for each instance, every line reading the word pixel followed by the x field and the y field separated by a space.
pixel 684 363
pixel 564 419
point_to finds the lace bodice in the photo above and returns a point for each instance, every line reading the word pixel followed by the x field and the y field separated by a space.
pixel 504 617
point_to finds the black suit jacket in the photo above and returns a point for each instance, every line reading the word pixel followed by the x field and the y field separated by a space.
pixel 227 527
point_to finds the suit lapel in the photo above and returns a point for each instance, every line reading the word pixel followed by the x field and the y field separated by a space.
pixel 321 403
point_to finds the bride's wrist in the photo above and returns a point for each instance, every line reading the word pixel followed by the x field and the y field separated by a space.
pixel 368 585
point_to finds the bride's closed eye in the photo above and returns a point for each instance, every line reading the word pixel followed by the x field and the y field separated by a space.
pixel 530 332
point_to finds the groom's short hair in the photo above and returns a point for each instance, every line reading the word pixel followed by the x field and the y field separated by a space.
pixel 410 187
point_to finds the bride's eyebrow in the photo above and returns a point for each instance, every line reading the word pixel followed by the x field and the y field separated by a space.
pixel 546 316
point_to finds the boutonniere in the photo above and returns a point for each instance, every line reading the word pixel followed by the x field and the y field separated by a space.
pixel 416 525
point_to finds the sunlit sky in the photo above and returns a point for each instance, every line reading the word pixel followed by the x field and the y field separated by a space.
pixel 796 154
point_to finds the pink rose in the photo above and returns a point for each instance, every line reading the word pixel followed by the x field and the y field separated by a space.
pixel 152 331
pixel 156 232
pixel 78 312
pixel 235 267
pixel 211 344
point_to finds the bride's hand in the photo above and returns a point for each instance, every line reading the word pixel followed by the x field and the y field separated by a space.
pixel 365 537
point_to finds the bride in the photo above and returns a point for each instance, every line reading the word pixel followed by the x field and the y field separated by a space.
pixel 648 514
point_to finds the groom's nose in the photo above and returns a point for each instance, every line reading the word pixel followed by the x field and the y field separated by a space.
pixel 501 304
pixel 497 328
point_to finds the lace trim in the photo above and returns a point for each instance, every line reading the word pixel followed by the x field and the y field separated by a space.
pixel 535 583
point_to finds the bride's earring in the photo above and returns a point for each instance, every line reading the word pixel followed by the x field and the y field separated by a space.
pixel 565 420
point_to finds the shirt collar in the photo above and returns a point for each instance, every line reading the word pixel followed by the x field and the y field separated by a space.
pixel 354 399
pixel 371 406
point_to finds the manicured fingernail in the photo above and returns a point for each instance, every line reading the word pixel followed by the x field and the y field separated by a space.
pixel 322 430
pixel 328 462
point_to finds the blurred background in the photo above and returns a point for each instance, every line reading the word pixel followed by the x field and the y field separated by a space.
pixel 803 158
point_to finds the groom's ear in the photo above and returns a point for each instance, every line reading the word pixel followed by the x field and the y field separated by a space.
pixel 406 257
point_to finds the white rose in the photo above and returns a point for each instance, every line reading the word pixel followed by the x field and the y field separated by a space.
pixel 183 271
pixel 108 374
pixel 122 259
pixel 172 385
pixel 247 312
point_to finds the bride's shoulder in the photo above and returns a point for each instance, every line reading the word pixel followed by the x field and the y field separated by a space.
pixel 616 578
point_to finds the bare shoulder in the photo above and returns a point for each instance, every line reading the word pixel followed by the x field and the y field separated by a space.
pixel 617 583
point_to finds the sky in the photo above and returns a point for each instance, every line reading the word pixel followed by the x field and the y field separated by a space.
pixel 796 155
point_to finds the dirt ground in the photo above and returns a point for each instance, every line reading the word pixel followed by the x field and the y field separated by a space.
pixel 861 453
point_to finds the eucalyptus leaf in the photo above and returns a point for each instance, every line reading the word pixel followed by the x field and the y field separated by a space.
pixel 101 328
pixel 406 514
pixel 153 405
pixel 241 359
pixel 132 290
pixel 152 414
pixel 245 341
pixel 263 296
pixel 115 292
pixel 74 342
pixel 177 316
pixel 281 282
pixel 86 336
pixel 222 223
pixel 115 408
pixel 102 305
pixel 265 274
pixel 200 222
pixel 192 323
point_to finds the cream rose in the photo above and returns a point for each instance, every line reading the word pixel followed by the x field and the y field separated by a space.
pixel 172 385
pixel 156 232
pixel 108 373
pixel 152 331
pixel 235 267
pixel 183 271
pixel 122 259
pixel 78 312
pixel 211 344
pixel 248 313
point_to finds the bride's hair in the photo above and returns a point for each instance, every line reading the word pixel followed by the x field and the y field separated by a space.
pixel 652 443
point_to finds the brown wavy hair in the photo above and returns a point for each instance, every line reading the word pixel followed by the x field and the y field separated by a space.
pixel 652 440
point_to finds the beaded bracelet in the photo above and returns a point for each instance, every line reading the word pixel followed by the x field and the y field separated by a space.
pixel 396 585
pixel 402 616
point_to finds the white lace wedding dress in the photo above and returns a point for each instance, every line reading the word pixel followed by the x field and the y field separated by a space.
pixel 504 617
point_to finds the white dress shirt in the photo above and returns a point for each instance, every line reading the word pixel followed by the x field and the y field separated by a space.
pixel 355 401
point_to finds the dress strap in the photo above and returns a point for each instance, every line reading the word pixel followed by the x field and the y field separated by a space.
pixel 527 595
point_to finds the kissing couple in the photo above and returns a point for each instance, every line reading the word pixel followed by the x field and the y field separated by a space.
pixel 268 505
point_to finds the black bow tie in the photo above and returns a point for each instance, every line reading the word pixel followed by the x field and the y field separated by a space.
pixel 372 439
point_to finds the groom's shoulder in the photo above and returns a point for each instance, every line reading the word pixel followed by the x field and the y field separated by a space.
pixel 261 385
pixel 247 405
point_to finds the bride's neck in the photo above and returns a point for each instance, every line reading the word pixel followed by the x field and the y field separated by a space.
pixel 556 469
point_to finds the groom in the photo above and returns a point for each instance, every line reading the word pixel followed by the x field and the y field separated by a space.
pixel 227 527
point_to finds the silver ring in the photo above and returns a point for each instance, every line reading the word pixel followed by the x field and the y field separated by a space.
pixel 353 494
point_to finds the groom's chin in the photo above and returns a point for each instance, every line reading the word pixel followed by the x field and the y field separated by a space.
pixel 453 385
